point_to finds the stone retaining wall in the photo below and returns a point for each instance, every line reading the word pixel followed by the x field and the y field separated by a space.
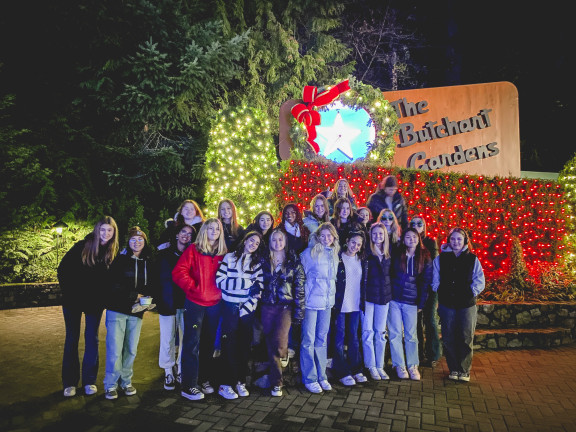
pixel 526 315
pixel 522 325
pixel 30 295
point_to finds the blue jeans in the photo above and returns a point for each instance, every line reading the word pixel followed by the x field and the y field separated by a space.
pixel 236 342
pixel 347 362
pixel 458 327
pixel 200 327
pixel 70 359
pixel 122 337
pixel 374 321
pixel 402 320
pixel 314 347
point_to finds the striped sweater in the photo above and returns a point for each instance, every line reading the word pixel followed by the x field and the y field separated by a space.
pixel 239 283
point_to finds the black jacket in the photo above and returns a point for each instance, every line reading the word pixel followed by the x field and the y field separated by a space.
pixel 285 287
pixel 83 287
pixel 232 241
pixel 346 228
pixel 376 203
pixel 129 277
pixel 168 296
pixel 376 286
pixel 412 290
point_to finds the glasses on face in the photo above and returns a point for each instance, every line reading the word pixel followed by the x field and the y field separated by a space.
pixel 186 234
pixel 417 224
pixel 136 240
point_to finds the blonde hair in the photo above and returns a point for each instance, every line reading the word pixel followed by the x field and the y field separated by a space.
pixel 349 193
pixel 326 217
pixel 386 242
pixel 92 246
pixel 396 231
pixel 272 252
pixel 319 247
pixel 202 243
pixel 234 219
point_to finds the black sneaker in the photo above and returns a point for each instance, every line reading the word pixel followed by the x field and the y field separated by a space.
pixel 111 394
pixel 192 393
pixel 169 383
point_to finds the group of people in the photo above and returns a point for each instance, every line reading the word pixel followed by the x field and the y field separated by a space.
pixel 336 282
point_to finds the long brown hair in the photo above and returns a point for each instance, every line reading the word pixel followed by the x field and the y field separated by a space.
pixel 233 220
pixel 421 254
pixel 338 207
pixel 92 246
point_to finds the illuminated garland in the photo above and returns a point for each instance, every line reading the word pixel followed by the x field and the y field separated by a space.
pixel 492 210
pixel 567 178
pixel 384 118
pixel 241 164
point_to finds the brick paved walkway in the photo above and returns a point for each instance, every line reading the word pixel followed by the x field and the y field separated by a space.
pixel 514 390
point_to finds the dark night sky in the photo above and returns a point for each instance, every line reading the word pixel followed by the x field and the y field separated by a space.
pixel 526 44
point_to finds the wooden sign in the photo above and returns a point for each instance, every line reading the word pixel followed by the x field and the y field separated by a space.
pixel 472 129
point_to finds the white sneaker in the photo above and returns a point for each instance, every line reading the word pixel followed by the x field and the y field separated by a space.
pixel 90 389
pixel 284 361
pixel 414 373
pixel 241 390
pixel 402 372
pixel 276 391
pixel 374 374
pixel 360 378
pixel 325 385
pixel 313 387
pixel 383 373
pixel 348 380
pixel 227 393
pixel 454 376
pixel 70 391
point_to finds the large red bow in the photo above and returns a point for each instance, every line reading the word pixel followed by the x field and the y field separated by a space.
pixel 305 112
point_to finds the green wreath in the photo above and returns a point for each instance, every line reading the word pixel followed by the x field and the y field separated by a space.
pixel 384 118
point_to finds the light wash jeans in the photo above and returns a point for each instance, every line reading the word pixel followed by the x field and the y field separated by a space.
pixel 458 326
pixel 314 347
pixel 403 316
pixel 171 327
pixel 122 336
pixel 374 321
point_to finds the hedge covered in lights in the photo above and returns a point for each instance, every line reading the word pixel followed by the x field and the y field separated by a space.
pixel 567 178
pixel 241 164
pixel 493 210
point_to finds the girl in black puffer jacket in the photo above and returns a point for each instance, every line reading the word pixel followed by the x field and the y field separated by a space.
pixel 376 294
pixel 282 302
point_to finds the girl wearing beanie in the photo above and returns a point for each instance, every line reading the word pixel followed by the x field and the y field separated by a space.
pixel 130 282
